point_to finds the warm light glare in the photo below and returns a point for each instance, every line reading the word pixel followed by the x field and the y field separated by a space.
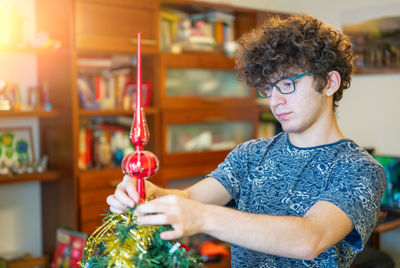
pixel 10 26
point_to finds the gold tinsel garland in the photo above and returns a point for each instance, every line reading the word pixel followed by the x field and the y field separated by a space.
pixel 120 242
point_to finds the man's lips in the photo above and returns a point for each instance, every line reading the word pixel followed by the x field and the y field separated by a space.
pixel 284 115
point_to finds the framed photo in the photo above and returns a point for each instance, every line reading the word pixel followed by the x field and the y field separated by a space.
pixel 16 146
pixel 34 100
pixel 86 94
pixel 129 95
pixel 374 37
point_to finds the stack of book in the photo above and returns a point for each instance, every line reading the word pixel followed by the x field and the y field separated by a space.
pixel 102 145
pixel 209 31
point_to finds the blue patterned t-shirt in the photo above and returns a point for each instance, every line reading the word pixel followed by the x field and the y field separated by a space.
pixel 272 176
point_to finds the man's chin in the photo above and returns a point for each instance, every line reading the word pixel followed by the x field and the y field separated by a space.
pixel 290 129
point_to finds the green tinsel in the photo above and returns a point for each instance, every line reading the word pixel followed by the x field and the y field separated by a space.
pixel 120 242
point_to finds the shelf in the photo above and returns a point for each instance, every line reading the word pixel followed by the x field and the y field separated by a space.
pixel 115 112
pixel 31 177
pixel 209 60
pixel 42 114
pixel 31 50
pixel 375 70
pixel 194 6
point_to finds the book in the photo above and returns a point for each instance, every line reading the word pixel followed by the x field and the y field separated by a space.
pixel 82 149
pixel 69 248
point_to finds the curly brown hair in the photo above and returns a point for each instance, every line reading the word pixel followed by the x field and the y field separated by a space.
pixel 297 43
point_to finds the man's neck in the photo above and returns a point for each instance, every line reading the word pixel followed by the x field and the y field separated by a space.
pixel 326 131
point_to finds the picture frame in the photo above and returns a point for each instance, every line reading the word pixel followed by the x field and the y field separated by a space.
pixel 374 37
pixel 86 94
pixel 34 98
pixel 129 95
pixel 16 146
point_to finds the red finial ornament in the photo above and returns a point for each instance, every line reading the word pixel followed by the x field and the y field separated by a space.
pixel 139 164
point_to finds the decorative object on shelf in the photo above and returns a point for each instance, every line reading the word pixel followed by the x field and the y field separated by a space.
pixel 86 94
pixel 34 98
pixel 17 152
pixel 5 103
pixel 41 165
pixel 10 96
pixel 43 40
pixel 38 98
pixel 46 97
pixel 129 95
pixel 120 241
pixel 17 149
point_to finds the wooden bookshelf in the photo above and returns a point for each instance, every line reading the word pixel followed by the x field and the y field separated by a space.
pixel 375 70
pixel 115 112
pixel 30 177
pixel 41 114
pixel 32 50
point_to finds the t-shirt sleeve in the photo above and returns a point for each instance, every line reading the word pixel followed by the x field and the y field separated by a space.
pixel 232 170
pixel 356 186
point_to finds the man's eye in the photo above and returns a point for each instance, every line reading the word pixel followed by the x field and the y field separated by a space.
pixel 268 88
pixel 287 84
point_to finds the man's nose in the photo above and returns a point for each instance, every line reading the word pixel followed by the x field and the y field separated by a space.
pixel 276 98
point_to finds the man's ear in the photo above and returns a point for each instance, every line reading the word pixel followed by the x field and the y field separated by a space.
pixel 333 83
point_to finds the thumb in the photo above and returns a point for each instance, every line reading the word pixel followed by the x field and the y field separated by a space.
pixel 130 186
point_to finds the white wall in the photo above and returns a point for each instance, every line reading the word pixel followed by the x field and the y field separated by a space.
pixel 20 205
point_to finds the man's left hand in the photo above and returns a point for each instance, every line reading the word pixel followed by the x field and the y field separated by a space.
pixel 184 215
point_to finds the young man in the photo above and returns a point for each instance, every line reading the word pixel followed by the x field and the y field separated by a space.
pixel 307 197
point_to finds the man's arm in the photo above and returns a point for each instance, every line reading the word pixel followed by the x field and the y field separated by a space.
pixel 306 237
pixel 208 191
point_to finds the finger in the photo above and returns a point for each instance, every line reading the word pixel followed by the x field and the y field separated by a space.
pixel 155 206
pixel 112 201
pixel 115 205
pixel 155 219
pixel 116 210
pixel 122 196
pixel 170 235
pixel 130 187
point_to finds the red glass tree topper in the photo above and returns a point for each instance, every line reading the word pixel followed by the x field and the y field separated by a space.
pixel 140 164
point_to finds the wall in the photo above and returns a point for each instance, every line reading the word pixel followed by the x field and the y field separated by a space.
pixel 20 211
pixel 20 206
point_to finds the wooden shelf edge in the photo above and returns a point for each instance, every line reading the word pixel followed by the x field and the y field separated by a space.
pixel 373 70
pixel 31 177
pixel 42 114
pixel 147 110
pixel 32 50
pixel 209 5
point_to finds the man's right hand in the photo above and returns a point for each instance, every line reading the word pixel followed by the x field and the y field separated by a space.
pixel 126 195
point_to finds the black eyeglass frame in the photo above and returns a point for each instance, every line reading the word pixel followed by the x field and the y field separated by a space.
pixel 261 91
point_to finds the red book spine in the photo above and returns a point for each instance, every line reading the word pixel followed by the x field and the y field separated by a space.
pixel 89 149
pixel 98 88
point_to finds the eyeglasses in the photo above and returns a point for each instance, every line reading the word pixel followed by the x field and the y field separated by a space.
pixel 284 86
